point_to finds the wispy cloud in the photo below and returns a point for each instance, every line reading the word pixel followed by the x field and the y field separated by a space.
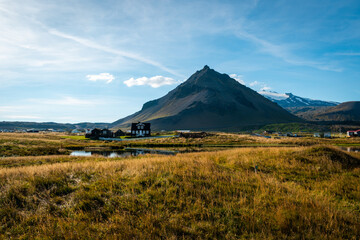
pixel 283 53
pixel 91 44
pixel 72 101
pixel 101 77
pixel 8 109
pixel 155 82
pixel 348 53
pixel 22 117
pixel 254 83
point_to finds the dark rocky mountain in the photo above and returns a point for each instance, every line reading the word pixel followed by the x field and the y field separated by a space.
pixel 344 112
pixel 288 100
pixel 209 100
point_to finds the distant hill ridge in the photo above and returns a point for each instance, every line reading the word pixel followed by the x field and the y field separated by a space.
pixel 347 111
pixel 209 100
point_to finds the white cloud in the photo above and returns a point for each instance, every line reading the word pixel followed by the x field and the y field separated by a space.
pixel 255 83
pixel 265 88
pixel 101 77
pixel 64 101
pixel 155 82
pixel 238 78
pixel 260 85
pixel 22 117
pixel 7 109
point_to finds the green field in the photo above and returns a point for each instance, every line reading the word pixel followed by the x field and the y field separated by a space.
pixel 303 188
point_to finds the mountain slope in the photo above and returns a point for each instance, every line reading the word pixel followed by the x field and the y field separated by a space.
pixel 289 100
pixel 347 111
pixel 208 100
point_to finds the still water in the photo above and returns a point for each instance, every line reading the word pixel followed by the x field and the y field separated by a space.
pixel 124 153
pixel 351 149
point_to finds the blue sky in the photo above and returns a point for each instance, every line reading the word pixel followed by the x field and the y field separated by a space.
pixel 98 61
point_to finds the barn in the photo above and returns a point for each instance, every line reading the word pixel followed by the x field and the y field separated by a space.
pixel 140 129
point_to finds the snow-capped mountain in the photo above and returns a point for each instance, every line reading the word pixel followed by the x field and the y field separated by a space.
pixel 288 100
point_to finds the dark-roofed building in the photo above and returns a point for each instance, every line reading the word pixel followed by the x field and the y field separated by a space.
pixel 96 133
pixel 140 129
pixel 106 133
pixel 119 133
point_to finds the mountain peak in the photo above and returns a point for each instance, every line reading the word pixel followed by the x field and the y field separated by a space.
pixel 209 100
pixel 206 67
pixel 209 78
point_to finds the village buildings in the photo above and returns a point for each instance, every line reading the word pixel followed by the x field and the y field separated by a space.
pixel 137 130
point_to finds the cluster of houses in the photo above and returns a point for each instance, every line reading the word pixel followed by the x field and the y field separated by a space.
pixel 279 134
pixel 137 130
pixel 323 135
pixel 97 133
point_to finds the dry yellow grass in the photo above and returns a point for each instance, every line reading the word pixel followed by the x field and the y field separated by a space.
pixel 296 193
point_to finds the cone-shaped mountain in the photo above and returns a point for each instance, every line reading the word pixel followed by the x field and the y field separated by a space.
pixel 209 100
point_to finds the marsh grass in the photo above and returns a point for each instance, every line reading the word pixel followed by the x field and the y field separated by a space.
pixel 296 193
pixel 39 144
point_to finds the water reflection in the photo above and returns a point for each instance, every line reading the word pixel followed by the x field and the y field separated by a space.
pixel 124 153
pixel 351 149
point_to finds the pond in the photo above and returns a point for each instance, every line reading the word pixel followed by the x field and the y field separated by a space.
pixel 124 153
pixel 140 151
pixel 351 149
pixel 163 151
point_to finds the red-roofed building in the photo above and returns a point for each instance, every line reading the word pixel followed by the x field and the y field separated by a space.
pixel 353 133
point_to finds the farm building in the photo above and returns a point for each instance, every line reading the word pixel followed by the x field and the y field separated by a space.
pixel 355 133
pixel 140 129
pixel 106 133
pixel 96 133
pixel 119 133
pixel 323 135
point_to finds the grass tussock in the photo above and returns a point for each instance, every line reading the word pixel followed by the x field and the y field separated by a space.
pixel 295 193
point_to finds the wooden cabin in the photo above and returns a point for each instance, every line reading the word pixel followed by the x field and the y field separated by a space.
pixel 96 133
pixel 119 133
pixel 106 133
pixel 140 129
